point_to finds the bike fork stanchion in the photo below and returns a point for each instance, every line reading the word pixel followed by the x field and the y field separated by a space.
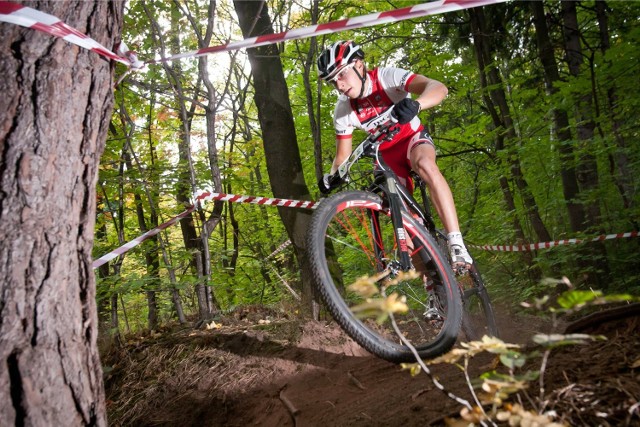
pixel 396 218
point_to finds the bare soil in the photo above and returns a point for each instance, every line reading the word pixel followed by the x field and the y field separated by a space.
pixel 259 367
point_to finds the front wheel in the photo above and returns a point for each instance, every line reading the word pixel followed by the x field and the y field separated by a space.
pixel 351 239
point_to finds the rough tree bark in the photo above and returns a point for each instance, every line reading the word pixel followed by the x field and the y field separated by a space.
pixel 54 114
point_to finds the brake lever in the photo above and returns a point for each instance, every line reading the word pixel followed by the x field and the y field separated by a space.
pixel 387 133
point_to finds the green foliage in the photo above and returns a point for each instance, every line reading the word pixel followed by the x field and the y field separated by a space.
pixel 516 379
pixel 146 124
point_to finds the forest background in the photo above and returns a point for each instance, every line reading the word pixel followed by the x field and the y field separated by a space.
pixel 537 138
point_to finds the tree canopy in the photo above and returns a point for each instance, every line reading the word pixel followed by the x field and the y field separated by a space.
pixel 536 138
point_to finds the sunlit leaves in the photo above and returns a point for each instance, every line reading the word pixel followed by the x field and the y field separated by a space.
pixel 516 415
pixel 364 286
pixel 439 47
pixel 557 340
pixel 470 349
pixel 380 308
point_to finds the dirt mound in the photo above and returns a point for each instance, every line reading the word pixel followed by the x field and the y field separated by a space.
pixel 262 370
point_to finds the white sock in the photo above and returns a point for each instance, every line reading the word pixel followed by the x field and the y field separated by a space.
pixel 455 238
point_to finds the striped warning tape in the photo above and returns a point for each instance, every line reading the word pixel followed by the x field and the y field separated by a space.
pixel 135 242
pixel 547 245
pixel 208 195
pixel 199 197
pixel 27 17
pixel 372 19
pixel 279 249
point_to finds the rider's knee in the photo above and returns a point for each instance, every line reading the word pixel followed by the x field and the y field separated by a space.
pixel 427 169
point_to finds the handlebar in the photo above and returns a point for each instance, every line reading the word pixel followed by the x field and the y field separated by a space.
pixel 368 147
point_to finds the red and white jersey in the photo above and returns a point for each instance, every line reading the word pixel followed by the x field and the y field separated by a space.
pixel 387 86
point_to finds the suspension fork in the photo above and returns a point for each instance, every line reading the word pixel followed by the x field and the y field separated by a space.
pixel 378 243
pixel 395 206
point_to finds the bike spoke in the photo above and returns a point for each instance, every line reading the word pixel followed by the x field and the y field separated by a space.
pixel 360 241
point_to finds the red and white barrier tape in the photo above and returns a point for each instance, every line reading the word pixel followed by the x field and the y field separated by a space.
pixel 207 195
pixel 547 245
pixel 378 18
pixel 203 196
pixel 279 249
pixel 27 17
pixel 135 242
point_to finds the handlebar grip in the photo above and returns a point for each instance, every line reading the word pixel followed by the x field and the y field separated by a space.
pixel 335 180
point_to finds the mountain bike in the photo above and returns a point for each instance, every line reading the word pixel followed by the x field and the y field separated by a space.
pixel 380 240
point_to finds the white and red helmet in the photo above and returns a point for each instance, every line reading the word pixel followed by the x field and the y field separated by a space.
pixel 336 57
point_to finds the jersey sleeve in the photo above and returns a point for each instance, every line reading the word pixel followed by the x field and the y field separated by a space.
pixel 342 120
pixel 395 82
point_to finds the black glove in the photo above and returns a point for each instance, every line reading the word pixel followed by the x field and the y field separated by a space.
pixel 405 110
pixel 329 182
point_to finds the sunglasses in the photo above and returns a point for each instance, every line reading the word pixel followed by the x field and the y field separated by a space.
pixel 342 73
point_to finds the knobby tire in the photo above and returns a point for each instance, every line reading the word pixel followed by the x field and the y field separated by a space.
pixel 351 236
pixel 478 318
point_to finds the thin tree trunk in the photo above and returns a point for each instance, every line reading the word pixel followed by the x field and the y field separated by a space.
pixel 560 120
pixel 185 186
pixel 151 247
pixel 118 221
pixel 495 100
pixel 587 172
pixel 309 64
pixel 114 312
pixel 505 121
pixel 55 110
pixel 208 225
pixel 103 273
pixel 124 314
pixel 624 178
pixel 280 143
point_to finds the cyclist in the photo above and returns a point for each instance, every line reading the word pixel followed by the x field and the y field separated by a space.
pixel 365 95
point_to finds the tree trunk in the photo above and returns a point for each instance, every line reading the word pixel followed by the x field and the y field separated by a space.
pixel 504 120
pixel 102 300
pixel 587 172
pixel 309 65
pixel 624 177
pixel 185 185
pixel 55 110
pixel 151 259
pixel 560 120
pixel 280 143
pixel 496 101
pixel 211 109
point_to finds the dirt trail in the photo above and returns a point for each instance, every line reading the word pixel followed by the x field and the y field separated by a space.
pixel 257 369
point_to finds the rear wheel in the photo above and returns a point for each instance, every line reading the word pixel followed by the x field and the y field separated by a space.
pixel 478 318
pixel 351 236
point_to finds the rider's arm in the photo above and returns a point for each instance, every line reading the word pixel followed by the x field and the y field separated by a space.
pixel 430 92
pixel 343 151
